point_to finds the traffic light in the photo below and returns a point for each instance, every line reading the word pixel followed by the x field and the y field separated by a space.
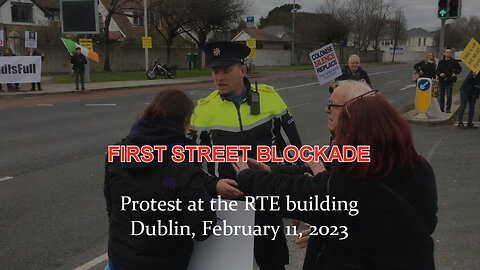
pixel 442 8
pixel 454 8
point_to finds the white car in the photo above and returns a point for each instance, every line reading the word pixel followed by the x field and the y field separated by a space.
pixel 457 55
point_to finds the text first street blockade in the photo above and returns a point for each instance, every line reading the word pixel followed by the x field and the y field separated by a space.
pixel 20 69
pixel 325 64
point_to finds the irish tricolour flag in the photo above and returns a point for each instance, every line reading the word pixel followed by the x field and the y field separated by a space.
pixel 72 45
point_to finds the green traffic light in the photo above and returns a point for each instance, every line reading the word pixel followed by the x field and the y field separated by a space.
pixel 442 13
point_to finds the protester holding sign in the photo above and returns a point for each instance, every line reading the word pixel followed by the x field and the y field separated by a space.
pixel 390 204
pixel 352 71
pixel 139 237
pixel 34 52
pixel 10 86
pixel 469 93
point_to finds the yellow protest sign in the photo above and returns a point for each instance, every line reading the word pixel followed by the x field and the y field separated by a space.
pixel 252 43
pixel 471 55
pixel 86 42
pixel 253 53
pixel 147 42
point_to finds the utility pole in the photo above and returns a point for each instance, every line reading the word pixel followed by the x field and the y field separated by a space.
pixel 145 27
pixel 441 46
pixel 293 33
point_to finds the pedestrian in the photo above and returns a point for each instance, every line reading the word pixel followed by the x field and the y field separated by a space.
pixel 79 61
pixel 352 71
pixel 387 206
pixel 163 122
pixel 427 67
pixel 469 92
pixel 447 70
pixel 34 52
pixel 10 86
pixel 241 113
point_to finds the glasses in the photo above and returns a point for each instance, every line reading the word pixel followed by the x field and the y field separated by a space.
pixel 369 93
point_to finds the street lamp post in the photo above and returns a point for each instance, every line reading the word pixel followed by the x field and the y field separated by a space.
pixel 145 27
pixel 293 34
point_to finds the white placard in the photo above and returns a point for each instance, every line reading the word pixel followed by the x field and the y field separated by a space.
pixel 20 69
pixel 325 64
pixel 226 252
pixel 2 40
pixel 30 39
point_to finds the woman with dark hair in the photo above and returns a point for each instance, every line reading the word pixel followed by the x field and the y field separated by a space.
pixel 164 122
pixel 391 202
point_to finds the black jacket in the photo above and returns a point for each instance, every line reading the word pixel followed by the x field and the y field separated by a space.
pixel 427 68
pixel 78 61
pixel 348 75
pixel 164 181
pixel 471 85
pixel 386 234
pixel 448 67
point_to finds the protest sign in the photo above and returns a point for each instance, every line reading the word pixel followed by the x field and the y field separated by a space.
pixel 325 63
pixel 471 55
pixel 30 39
pixel 20 69
pixel 233 252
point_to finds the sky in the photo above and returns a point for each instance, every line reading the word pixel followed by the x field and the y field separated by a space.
pixel 419 13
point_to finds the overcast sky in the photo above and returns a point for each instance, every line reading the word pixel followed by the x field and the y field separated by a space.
pixel 419 13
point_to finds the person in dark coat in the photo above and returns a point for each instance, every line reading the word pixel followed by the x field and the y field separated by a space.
pixel 447 71
pixel 34 52
pixel 163 122
pixel 427 67
pixel 79 61
pixel 469 92
pixel 10 86
pixel 352 71
pixel 389 204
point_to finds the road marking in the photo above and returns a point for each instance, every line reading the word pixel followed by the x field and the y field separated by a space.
pixel 392 82
pixel 93 262
pixel 381 72
pixel 296 86
pixel 5 178
pixel 434 147
pixel 407 87
pixel 45 105
pixel 100 104
pixel 299 105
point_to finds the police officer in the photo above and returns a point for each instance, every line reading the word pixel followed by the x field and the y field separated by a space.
pixel 241 113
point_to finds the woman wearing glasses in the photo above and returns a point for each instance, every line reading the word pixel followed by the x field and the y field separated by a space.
pixel 395 192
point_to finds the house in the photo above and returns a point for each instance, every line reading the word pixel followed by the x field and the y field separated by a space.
pixel 271 50
pixel 419 43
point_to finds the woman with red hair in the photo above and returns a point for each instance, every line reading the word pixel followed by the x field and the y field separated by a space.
pixel 391 202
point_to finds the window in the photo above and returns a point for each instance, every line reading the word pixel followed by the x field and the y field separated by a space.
pixel 137 18
pixel 22 12
pixel 419 41
pixel 424 41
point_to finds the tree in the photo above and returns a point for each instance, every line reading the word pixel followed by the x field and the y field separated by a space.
pixel 398 30
pixel 112 7
pixel 220 15
pixel 279 16
pixel 173 16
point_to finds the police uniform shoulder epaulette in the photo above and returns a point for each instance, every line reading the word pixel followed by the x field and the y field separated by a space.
pixel 264 87
pixel 209 98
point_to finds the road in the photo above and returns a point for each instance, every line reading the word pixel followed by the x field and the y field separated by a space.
pixel 51 168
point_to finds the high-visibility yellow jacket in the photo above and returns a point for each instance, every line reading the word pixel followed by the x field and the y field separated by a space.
pixel 219 121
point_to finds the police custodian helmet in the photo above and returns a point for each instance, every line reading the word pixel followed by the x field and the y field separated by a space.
pixel 225 53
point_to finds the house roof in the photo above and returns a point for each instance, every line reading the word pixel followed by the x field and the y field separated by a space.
pixel 49 4
pixel 279 31
pixel 419 32
pixel 260 35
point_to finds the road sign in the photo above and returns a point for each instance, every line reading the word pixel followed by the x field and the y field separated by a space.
pixel 79 16
pixel 252 43
pixel 471 55
pixel 423 96
pixel 147 42
pixel 250 19
pixel 86 42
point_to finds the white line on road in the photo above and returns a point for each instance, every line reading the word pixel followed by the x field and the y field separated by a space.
pixel 45 105
pixel 5 178
pixel 381 72
pixel 434 147
pixel 93 262
pixel 392 82
pixel 100 104
pixel 407 86
pixel 296 86
pixel 299 105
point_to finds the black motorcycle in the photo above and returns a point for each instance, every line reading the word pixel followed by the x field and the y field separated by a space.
pixel 169 71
